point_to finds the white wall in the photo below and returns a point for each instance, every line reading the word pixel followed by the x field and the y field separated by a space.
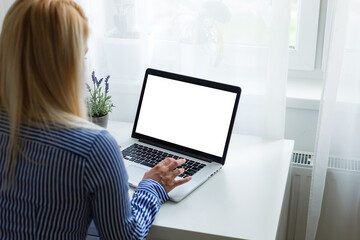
pixel 301 125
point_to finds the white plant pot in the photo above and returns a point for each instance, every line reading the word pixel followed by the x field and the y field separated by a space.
pixel 100 121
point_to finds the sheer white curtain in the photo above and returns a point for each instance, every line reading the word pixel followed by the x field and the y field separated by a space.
pixel 244 43
pixel 334 208
pixel 4 6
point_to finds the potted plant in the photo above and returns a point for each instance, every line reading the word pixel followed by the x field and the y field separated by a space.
pixel 99 102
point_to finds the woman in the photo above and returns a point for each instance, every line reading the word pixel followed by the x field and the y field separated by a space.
pixel 57 171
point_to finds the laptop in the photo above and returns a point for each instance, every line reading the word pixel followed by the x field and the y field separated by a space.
pixel 181 117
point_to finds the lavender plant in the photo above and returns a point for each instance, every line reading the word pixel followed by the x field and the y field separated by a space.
pixel 99 102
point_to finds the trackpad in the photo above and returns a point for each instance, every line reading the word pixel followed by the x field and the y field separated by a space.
pixel 136 174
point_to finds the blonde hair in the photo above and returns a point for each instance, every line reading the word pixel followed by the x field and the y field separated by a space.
pixel 42 48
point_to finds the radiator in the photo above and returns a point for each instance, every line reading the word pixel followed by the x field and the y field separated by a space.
pixel 299 194
pixel 341 172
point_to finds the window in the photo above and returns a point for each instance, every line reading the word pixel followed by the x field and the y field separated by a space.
pixel 294 20
pixel 303 34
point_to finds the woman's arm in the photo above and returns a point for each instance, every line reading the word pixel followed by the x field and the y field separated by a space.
pixel 106 185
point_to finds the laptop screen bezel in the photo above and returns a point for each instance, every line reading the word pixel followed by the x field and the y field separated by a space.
pixel 175 147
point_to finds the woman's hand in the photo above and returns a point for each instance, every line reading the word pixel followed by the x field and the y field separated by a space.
pixel 165 173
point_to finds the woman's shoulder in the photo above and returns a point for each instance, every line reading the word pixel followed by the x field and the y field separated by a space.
pixel 85 136
pixel 78 137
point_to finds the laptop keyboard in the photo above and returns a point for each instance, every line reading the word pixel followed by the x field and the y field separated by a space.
pixel 150 157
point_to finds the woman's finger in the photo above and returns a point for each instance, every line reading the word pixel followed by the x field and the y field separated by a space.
pixel 174 164
pixel 177 172
pixel 166 161
pixel 182 181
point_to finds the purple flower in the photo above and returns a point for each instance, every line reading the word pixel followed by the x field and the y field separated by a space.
pixel 98 101
pixel 107 78
pixel 94 79
pixel 107 84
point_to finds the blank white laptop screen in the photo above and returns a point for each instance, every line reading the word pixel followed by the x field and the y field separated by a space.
pixel 186 114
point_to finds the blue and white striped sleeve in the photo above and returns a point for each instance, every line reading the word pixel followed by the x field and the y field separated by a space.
pixel 106 185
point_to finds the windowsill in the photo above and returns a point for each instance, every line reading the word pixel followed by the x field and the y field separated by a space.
pixel 303 93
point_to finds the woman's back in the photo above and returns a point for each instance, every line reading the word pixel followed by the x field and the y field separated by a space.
pixel 60 175
pixel 50 184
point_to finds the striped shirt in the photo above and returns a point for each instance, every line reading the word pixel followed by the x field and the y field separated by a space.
pixel 67 178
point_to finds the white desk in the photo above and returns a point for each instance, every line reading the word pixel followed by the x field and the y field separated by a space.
pixel 244 200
